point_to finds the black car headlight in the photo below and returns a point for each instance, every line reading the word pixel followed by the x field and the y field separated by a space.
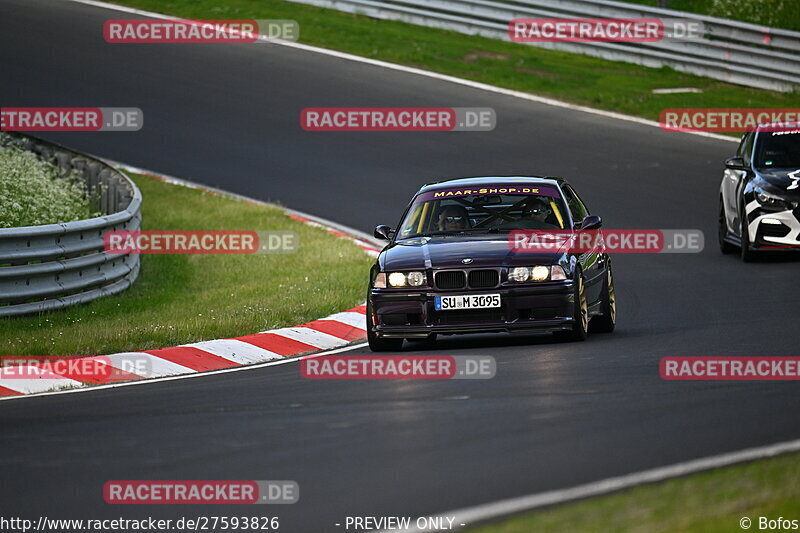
pixel 536 273
pixel 772 202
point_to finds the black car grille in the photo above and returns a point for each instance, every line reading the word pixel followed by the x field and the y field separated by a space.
pixel 400 319
pixel 483 279
pixel 774 230
pixel 456 279
pixel 469 317
pixel 451 280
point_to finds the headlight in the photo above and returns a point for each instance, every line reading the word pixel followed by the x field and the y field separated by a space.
pixel 380 281
pixel 536 273
pixel 518 274
pixel 771 201
pixel 415 279
pixel 540 273
pixel 402 279
pixel 397 279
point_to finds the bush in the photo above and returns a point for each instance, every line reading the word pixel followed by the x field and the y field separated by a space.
pixel 775 13
pixel 32 191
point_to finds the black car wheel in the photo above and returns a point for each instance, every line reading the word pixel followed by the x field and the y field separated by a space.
pixel 747 253
pixel 606 322
pixel 580 316
pixel 377 344
pixel 724 246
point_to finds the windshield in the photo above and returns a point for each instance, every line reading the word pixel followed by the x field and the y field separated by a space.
pixel 484 210
pixel 778 149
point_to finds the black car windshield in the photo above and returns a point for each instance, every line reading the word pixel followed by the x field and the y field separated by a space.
pixel 484 210
pixel 778 149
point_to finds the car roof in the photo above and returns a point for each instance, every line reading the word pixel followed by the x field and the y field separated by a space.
pixel 492 180
pixel 790 124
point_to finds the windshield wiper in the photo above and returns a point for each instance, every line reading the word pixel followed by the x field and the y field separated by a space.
pixel 483 230
pixel 455 232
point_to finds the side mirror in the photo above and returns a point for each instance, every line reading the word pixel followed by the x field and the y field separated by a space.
pixel 383 232
pixel 735 163
pixel 590 222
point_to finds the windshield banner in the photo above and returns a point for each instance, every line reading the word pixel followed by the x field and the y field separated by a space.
pixel 461 192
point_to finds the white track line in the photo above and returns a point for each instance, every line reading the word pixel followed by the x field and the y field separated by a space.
pixel 235 350
pixel 315 338
pixel 155 367
pixel 312 220
pixel 356 320
pixel 44 380
pixel 491 511
pixel 426 73
pixel 281 361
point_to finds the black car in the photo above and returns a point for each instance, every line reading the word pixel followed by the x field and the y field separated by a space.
pixel 450 266
pixel 759 198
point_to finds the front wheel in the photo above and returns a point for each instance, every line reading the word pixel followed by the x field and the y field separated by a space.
pixel 722 232
pixel 580 316
pixel 606 322
pixel 747 253
pixel 377 344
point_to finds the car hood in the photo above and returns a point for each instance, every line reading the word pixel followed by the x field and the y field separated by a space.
pixel 783 182
pixel 448 252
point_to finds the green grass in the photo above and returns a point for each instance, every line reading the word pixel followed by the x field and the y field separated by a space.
pixel 573 78
pixel 186 298
pixel 710 502
pixel 776 13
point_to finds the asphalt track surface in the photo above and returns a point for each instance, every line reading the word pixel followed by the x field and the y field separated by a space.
pixel 556 415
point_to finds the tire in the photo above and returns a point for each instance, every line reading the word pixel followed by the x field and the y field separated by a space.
pixel 606 322
pixel 580 315
pixel 724 246
pixel 747 253
pixel 377 344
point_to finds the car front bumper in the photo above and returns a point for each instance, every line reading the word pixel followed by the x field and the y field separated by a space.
pixel 776 230
pixel 545 307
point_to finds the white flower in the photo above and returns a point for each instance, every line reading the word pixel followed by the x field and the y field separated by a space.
pixel 34 192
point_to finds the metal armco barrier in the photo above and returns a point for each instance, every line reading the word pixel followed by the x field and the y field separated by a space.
pixel 736 52
pixel 56 265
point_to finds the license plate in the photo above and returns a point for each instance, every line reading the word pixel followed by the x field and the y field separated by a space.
pixel 466 301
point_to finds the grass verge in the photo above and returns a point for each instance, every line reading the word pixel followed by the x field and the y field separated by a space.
pixel 709 502
pixel 608 85
pixel 186 298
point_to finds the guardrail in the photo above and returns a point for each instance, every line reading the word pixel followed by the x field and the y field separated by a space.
pixel 56 265
pixel 736 52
